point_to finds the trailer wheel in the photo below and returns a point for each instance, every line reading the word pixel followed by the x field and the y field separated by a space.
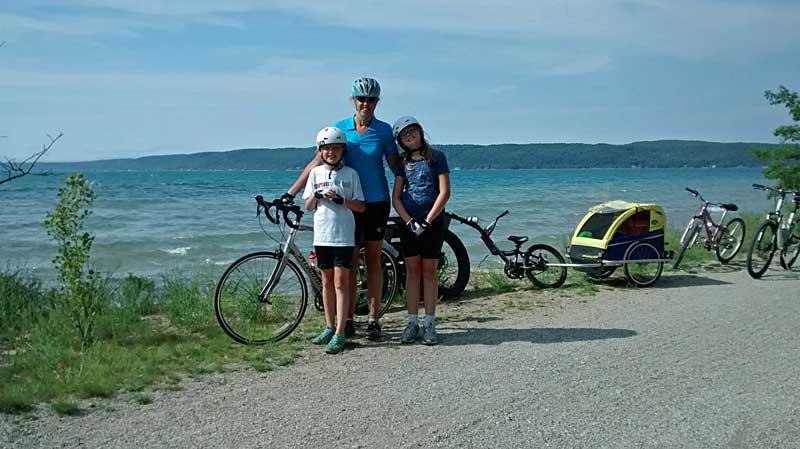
pixel 643 274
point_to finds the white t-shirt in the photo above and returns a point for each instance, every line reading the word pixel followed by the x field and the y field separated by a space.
pixel 334 224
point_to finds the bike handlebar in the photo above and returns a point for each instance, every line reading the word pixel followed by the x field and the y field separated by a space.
pixel 488 230
pixel 280 207
pixel 781 192
pixel 692 191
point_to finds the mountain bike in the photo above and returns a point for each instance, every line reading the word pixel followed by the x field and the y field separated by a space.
pixel 262 296
pixel 531 263
pixel 774 234
pixel 725 238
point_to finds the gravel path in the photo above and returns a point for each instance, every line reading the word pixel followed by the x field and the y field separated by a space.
pixel 700 361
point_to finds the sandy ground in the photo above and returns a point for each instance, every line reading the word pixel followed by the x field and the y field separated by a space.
pixel 707 360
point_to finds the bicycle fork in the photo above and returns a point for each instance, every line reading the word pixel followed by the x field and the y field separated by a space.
pixel 265 293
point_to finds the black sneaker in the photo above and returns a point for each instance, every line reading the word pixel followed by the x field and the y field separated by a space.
pixel 374 331
pixel 349 329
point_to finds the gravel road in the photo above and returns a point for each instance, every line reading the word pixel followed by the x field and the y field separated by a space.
pixel 707 360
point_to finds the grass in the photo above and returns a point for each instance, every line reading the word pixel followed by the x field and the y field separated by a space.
pixel 148 337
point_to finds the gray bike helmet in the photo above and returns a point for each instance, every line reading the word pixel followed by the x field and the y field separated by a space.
pixel 366 87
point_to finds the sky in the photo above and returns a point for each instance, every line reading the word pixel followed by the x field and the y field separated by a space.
pixel 130 78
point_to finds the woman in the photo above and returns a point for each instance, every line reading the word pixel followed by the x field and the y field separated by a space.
pixel 369 142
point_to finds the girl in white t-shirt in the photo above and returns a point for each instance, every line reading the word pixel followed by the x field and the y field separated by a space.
pixel 334 192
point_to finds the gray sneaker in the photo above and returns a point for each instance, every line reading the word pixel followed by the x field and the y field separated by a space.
pixel 411 333
pixel 429 335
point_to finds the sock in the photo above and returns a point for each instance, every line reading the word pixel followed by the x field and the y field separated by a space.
pixel 371 320
pixel 413 318
pixel 428 320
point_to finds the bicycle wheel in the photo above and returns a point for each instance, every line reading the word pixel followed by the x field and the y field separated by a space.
pixel 791 249
pixel 730 239
pixel 643 274
pixel 453 269
pixel 537 269
pixel 389 271
pixel 686 241
pixel 760 253
pixel 604 273
pixel 246 318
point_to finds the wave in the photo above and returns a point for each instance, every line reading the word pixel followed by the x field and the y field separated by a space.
pixel 181 251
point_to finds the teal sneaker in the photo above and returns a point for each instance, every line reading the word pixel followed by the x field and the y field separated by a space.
pixel 324 337
pixel 336 345
pixel 429 335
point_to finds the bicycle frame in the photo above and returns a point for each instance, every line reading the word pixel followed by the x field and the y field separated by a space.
pixel 290 249
pixel 712 229
pixel 777 216
pixel 486 238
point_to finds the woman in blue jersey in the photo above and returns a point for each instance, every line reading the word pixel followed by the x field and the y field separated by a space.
pixel 369 142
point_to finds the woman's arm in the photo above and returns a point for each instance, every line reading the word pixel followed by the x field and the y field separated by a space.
pixel 441 199
pixel 301 180
pixel 397 203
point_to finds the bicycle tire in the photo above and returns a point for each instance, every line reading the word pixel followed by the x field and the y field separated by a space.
pixel 604 273
pixel 791 249
pixel 389 288
pixel 763 247
pixel 243 316
pixel 536 259
pixel 731 238
pixel 686 240
pixel 637 272
pixel 453 270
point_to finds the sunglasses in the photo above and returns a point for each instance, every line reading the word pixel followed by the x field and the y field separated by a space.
pixel 370 100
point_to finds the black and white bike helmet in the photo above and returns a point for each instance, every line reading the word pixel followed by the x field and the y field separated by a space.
pixel 366 87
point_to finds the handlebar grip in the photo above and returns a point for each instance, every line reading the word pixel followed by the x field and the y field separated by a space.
pixel 295 210
pixel 502 215
pixel 759 186
pixel 693 191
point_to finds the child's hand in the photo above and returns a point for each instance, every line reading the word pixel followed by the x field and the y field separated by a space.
pixel 333 196
pixel 417 226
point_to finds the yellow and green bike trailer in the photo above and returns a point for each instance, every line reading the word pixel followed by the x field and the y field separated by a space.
pixel 619 233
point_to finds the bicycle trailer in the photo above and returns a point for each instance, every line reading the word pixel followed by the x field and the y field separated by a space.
pixel 619 233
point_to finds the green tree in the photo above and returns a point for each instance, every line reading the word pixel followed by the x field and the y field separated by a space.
pixel 76 281
pixel 784 160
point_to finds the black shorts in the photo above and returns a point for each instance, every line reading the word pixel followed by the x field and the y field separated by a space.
pixel 371 224
pixel 428 244
pixel 334 256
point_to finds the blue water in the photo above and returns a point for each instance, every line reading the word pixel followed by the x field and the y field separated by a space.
pixel 152 223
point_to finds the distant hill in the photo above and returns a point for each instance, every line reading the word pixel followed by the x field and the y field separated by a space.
pixel 661 153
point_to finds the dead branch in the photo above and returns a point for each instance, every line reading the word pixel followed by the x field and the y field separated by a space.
pixel 16 170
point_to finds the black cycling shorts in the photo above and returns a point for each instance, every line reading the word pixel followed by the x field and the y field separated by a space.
pixel 371 224
pixel 428 244
pixel 334 256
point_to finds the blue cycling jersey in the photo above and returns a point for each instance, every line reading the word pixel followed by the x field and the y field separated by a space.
pixel 365 153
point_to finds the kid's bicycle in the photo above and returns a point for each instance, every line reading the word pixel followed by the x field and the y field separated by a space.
pixel 774 234
pixel 725 238
pixel 262 296
pixel 533 263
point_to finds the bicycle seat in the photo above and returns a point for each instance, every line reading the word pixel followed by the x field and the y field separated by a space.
pixel 518 239
pixel 729 206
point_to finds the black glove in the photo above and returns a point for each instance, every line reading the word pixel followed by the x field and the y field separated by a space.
pixel 338 199
pixel 287 198
pixel 417 226
pixel 318 195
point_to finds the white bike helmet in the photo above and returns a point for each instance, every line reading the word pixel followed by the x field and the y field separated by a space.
pixel 366 87
pixel 330 135
pixel 403 123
